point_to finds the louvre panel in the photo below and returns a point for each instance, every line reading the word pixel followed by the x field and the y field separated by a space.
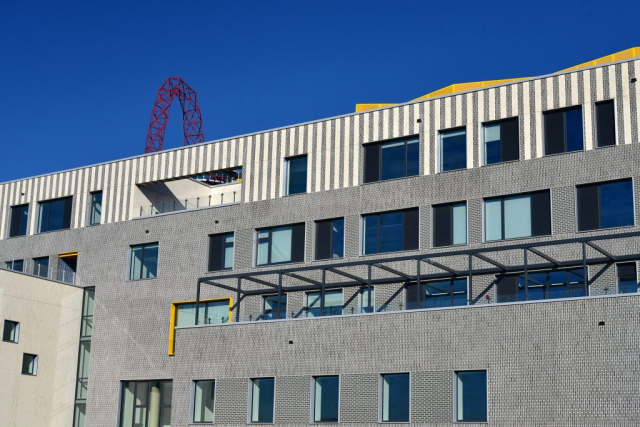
pixel 507 289
pixel 627 270
pixel 297 243
pixel 323 239
pixel 554 133
pixel 510 140
pixel 16 221
pixel 411 237
pixel 66 218
pixel 541 213
pixel 411 293
pixel 588 207
pixel 215 252
pixel 605 124
pixel 372 163
pixel 442 225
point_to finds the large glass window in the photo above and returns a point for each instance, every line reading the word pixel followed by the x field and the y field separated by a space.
pixel 326 391
pixel 330 238
pixel 332 303
pixel 390 231
pixel 203 400
pixel 271 307
pixel 501 141
pixel 391 159
pixel 262 400
pixel 55 215
pixel 295 175
pixel 280 245
pixel 563 131
pixel 95 214
pixel 41 267
pixel 471 396
pixel 395 397
pixel 11 331
pixel 523 215
pixel 439 293
pixel 540 285
pixel 84 358
pixel 146 404
pixel 450 224
pixel 19 220
pixel 627 277
pixel 605 205
pixel 29 364
pixel 144 261
pixel 15 265
pixel 210 312
pixel 453 150
pixel 221 251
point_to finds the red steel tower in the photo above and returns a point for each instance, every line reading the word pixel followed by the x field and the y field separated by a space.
pixel 191 117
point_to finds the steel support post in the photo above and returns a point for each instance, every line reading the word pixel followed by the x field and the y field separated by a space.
pixel 238 300
pixel 526 276
pixel 279 294
pixel 373 310
pixel 322 289
pixel 197 302
pixel 584 269
pixel 418 286
pixel 470 294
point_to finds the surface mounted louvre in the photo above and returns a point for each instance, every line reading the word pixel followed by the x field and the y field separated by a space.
pixel 554 133
pixel 297 243
pixel 588 207
pixel 540 214
pixel 411 237
pixel 507 289
pixel 627 270
pixel 605 124
pixel 372 163
pixel 215 252
pixel 443 225
pixel 323 239
pixel 510 140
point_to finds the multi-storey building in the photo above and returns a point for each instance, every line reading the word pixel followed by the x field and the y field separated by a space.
pixel 469 256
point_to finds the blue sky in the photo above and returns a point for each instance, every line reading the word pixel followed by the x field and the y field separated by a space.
pixel 78 79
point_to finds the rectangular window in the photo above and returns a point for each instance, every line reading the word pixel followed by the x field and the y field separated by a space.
pixel 11 331
pixel 211 312
pixel 501 141
pixel 390 231
pixel 440 293
pixel 41 267
pixel 270 307
pixel 144 261
pixel 332 303
pixel 627 278
pixel 523 215
pixel 326 399
pixel 330 238
pixel 605 205
pixel 262 400
pixel 146 402
pixel 366 303
pixel 391 159
pixel 605 124
pixel 450 224
pixel 15 265
pixel 221 251
pixel 203 399
pixel 19 220
pixel 471 396
pixel 29 364
pixel 540 285
pixel 395 398
pixel 95 214
pixel 295 175
pixel 453 150
pixel 55 215
pixel 279 245
pixel 563 131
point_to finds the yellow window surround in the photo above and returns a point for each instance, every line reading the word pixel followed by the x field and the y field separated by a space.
pixel 174 314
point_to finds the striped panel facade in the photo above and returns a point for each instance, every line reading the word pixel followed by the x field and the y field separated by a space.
pixel 333 146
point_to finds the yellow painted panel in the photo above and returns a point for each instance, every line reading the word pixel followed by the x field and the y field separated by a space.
pixel 365 107
pixel 172 320
pixel 68 255
pixel 633 52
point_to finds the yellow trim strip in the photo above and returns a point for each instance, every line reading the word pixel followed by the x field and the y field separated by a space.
pixel 68 254
pixel 174 312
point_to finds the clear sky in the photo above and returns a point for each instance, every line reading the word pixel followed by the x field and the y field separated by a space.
pixel 78 79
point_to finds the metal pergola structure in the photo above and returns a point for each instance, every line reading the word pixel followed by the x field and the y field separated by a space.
pixel 338 268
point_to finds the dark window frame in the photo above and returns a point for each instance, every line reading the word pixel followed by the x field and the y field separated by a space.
pixel 10 265
pixel 222 249
pixel 381 397
pixel 251 397
pixel 66 214
pixel 440 150
pixel 502 225
pixel 35 357
pixel 611 101
pixel 16 327
pixel 92 204
pixel 547 286
pixel 144 247
pixel 598 186
pixel 378 214
pixel 620 277
pixel 564 125
pixel 317 237
pixel 147 400
pixel 366 175
pixel 455 395
pixel 314 390
pixel 24 222
pixel 193 402
pixel 422 297
pixel 434 228
pixel 283 313
pixel 36 262
pixel 287 175
pixel 484 142
pixel 269 239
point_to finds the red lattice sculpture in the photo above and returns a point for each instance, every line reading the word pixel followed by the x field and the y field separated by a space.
pixel 191 117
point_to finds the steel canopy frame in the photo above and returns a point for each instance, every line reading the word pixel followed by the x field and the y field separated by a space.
pixel 402 277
